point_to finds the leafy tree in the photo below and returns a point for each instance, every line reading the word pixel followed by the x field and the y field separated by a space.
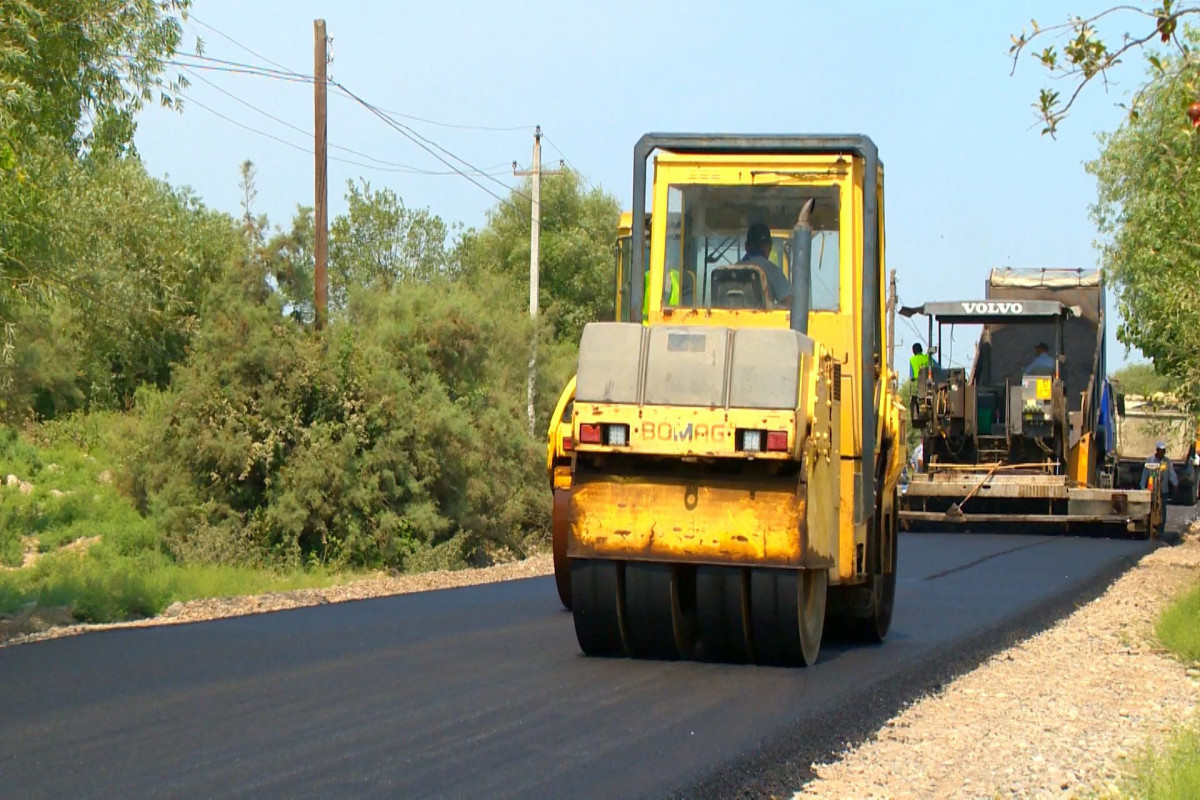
pixel 379 242
pixel 72 75
pixel 576 272
pixel 76 71
pixel 1148 206
pixel 1076 54
pixel 1141 379
pixel 139 257
pixel 290 257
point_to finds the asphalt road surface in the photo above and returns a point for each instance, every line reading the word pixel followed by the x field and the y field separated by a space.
pixel 482 692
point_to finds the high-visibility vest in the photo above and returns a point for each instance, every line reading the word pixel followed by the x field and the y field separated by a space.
pixel 918 363
pixel 672 299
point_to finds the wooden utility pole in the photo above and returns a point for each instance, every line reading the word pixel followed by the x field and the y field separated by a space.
pixel 535 235
pixel 320 151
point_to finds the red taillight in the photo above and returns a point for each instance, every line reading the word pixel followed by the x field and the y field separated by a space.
pixel 777 441
pixel 589 434
pixel 568 443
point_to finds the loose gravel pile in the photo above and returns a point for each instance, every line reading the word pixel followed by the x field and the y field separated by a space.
pixel 38 624
pixel 1055 716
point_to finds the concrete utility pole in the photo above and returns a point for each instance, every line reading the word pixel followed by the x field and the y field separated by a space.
pixel 320 151
pixel 535 235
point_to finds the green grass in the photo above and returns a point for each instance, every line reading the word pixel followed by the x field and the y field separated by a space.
pixel 1178 627
pixel 127 573
pixel 1171 772
pixel 105 586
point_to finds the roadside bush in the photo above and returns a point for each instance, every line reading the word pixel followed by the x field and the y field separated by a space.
pixel 400 427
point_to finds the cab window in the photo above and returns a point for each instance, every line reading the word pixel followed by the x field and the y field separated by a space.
pixel 706 231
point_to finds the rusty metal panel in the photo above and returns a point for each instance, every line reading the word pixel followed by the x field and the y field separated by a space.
pixel 718 522
pixel 1106 501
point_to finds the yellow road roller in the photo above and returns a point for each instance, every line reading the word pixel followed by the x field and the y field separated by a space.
pixel 726 462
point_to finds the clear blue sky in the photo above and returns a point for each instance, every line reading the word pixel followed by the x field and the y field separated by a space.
pixel 970 182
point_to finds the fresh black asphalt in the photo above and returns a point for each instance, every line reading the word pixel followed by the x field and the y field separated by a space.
pixel 482 692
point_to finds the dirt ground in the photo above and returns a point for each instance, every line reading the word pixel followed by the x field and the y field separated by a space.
pixel 1058 715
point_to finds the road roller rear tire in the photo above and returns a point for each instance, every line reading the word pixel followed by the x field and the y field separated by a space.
pixel 660 610
pixel 558 545
pixel 723 614
pixel 787 608
pixel 870 619
pixel 597 604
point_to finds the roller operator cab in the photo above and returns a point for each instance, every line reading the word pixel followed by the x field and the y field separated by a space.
pixel 734 451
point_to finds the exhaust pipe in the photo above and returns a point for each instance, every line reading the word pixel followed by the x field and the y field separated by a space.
pixel 802 268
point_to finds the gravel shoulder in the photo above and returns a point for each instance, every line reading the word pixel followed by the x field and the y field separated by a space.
pixel 48 623
pixel 1056 715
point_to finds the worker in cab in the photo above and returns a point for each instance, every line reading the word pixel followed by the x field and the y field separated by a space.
pixel 1159 470
pixel 1043 362
pixel 918 362
pixel 671 292
pixel 758 252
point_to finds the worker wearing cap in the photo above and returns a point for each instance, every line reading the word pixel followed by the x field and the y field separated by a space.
pixel 1160 467
pixel 758 253
pixel 1043 363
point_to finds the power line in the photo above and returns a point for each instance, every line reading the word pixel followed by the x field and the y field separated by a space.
pixel 306 150
pixel 255 71
pixel 224 35
pixel 414 136
pixel 426 144
pixel 416 139
pixel 454 125
pixel 563 156
pixel 224 62
pixel 397 167
pixel 459 126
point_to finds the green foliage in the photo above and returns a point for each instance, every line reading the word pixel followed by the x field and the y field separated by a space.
pixel 1178 627
pixel 379 243
pixel 76 72
pixel 1141 379
pixel 75 221
pixel 576 252
pixel 122 261
pixel 72 494
pixel 401 428
pixel 1084 55
pixel 127 572
pixel 12 549
pixel 1149 209
pixel 105 586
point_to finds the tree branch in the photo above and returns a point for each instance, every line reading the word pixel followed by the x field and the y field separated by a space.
pixel 1087 55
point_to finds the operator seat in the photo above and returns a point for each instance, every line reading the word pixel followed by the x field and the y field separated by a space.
pixel 739 286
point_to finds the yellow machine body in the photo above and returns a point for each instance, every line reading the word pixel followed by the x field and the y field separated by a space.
pixel 726 438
